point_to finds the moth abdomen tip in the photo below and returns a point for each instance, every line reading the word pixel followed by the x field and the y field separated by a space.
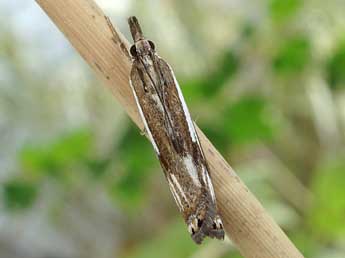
pixel 201 228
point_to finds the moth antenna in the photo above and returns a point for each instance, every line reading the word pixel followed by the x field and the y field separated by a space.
pixel 134 26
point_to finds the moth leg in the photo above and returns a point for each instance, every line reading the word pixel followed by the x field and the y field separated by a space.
pixel 193 226
pixel 143 132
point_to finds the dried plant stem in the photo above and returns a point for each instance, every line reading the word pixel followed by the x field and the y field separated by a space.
pixel 246 222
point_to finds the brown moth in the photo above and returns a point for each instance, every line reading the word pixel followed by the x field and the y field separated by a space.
pixel 171 131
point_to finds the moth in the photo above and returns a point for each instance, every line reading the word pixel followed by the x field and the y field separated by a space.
pixel 171 131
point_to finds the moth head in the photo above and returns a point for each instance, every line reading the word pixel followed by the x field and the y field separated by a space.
pixel 141 48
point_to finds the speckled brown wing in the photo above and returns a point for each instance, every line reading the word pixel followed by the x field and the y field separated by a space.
pixel 171 131
pixel 165 138
pixel 203 210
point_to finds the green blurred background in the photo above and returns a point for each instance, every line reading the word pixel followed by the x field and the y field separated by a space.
pixel 265 80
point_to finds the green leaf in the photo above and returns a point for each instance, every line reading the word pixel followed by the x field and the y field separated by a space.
pixel 217 135
pixel 19 195
pixel 97 168
pixel 136 150
pixel 282 9
pixel 247 121
pixel 137 156
pixel 305 242
pixel 71 147
pixel 328 213
pixel 51 159
pixel 192 90
pixel 293 56
pixel 210 84
pixel 227 68
pixel 36 161
pixel 336 68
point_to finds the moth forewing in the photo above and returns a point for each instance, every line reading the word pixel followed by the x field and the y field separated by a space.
pixel 147 129
pixel 189 163
pixel 171 131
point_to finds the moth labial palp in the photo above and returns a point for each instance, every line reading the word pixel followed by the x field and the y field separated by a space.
pixel 172 133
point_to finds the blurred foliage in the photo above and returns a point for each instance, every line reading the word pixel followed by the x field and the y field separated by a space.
pixel 172 242
pixel 265 84
pixel 137 157
pixel 55 158
pixel 306 244
pixel 336 68
pixel 71 153
pixel 19 194
pixel 227 67
pixel 247 120
pixel 281 10
pixel 293 56
pixel 214 81
pixel 327 215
